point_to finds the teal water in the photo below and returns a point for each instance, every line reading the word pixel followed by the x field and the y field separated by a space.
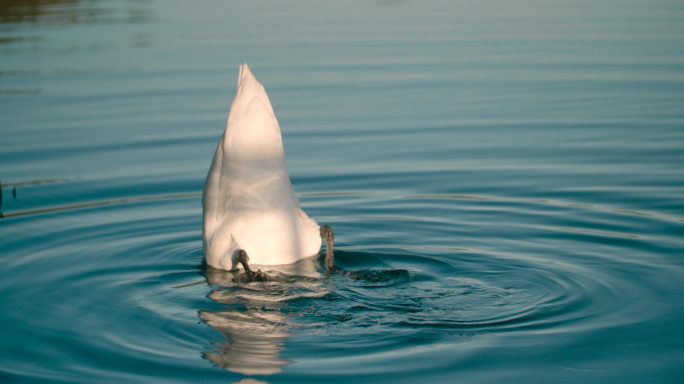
pixel 505 179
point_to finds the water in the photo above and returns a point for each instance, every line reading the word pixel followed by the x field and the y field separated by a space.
pixel 504 179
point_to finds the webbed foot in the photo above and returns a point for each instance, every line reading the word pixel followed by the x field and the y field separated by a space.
pixel 243 259
pixel 329 237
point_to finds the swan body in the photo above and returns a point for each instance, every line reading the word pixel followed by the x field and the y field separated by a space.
pixel 249 203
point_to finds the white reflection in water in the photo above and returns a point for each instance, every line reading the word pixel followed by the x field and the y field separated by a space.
pixel 253 322
pixel 255 340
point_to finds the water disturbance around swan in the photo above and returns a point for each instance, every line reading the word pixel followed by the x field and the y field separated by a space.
pixel 504 181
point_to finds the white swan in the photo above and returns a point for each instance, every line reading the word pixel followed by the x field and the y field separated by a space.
pixel 250 210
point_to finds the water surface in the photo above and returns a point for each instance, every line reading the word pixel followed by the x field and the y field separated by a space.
pixel 504 179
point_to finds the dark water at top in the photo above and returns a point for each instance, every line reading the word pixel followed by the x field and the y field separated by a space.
pixel 505 179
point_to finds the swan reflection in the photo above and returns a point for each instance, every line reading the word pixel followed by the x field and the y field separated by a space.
pixel 253 322
pixel 254 341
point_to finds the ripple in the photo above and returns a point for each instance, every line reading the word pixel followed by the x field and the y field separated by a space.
pixel 386 298
pixel 134 279
pixel 97 204
pixel 505 188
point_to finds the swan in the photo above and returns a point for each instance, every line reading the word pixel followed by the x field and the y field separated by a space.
pixel 250 212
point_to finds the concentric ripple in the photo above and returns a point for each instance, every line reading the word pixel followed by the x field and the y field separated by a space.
pixel 131 280
pixel 504 180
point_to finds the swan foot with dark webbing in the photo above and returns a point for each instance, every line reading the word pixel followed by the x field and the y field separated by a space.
pixel 327 235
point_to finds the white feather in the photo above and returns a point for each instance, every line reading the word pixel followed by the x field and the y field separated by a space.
pixel 248 198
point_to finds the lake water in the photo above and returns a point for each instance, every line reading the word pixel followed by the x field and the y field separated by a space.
pixel 505 180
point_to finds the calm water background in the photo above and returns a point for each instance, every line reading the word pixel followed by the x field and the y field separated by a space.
pixel 505 178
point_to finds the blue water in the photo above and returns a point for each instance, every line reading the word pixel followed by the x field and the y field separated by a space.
pixel 505 180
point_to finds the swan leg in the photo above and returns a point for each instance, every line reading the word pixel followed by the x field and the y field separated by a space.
pixel 329 236
pixel 243 259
